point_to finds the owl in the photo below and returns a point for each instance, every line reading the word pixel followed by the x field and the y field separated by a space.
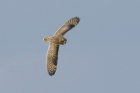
pixel 55 41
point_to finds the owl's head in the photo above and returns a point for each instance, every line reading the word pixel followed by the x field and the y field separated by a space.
pixel 62 40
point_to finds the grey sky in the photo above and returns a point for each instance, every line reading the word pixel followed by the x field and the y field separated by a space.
pixel 102 54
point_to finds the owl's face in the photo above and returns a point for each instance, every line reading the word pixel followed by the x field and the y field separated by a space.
pixel 62 41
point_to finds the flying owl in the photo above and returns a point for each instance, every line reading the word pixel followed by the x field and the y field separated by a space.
pixel 54 42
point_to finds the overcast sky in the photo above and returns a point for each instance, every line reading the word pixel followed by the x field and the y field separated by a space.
pixel 102 54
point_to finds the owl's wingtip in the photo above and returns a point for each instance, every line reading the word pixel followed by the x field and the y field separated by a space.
pixel 51 73
pixel 77 17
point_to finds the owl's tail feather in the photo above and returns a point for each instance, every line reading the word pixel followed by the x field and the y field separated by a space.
pixel 46 39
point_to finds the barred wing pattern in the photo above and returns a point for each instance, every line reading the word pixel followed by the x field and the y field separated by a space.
pixel 52 57
pixel 67 26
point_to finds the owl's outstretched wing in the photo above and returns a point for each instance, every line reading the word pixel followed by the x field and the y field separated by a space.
pixel 67 26
pixel 52 57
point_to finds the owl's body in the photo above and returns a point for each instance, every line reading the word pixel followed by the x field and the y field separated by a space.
pixel 55 41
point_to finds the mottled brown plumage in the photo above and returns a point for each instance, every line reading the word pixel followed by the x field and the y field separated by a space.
pixel 55 41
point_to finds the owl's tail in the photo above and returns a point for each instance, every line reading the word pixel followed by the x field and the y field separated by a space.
pixel 46 39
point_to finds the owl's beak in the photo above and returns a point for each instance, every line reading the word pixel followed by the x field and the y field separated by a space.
pixel 65 42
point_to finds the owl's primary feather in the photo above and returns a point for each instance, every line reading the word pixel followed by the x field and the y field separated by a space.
pixel 52 55
pixel 67 26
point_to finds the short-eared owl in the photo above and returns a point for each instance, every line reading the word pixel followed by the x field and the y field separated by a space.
pixel 54 42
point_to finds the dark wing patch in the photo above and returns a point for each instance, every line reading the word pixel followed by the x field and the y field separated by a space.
pixel 67 26
pixel 52 57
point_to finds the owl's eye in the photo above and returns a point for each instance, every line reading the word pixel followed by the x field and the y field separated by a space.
pixel 63 42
